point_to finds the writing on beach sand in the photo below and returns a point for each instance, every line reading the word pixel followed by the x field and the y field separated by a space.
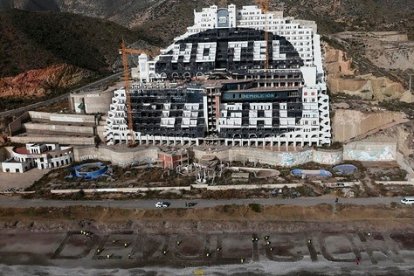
pixel 214 249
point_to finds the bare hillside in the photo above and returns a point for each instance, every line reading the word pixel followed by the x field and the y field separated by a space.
pixel 170 17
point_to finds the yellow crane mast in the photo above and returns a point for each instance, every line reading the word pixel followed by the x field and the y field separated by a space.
pixel 124 51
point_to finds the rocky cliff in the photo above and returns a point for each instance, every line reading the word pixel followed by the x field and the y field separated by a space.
pixel 344 77
pixel 40 82
pixel 350 124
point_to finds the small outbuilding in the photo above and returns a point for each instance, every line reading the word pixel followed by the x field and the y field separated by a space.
pixel 41 156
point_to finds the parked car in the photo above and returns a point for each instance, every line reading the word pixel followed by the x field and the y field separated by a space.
pixel 295 194
pixel 277 192
pixel 408 200
pixel 162 204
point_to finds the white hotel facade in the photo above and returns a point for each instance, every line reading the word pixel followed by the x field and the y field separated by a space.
pixel 314 126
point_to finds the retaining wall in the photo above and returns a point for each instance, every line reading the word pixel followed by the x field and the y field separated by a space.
pixel 120 190
pixel 402 183
pixel 67 118
pixel 119 158
pixel 269 157
pixel 328 157
pixel 371 151
pixel 251 186
pixel 63 140
pixel 187 188
pixel 94 102
pixel 375 152
pixel 286 159
pixel 17 125
pixel 60 128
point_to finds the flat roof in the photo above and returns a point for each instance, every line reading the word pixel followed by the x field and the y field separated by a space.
pixel 12 161
pixel 21 150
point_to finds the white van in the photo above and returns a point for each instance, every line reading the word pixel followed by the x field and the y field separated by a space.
pixel 409 200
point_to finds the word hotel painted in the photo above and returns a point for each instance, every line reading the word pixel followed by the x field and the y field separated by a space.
pixel 226 82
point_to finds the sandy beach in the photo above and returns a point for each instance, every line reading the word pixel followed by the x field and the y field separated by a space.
pixel 98 241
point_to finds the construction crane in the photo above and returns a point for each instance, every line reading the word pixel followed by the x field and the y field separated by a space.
pixel 125 52
pixel 264 5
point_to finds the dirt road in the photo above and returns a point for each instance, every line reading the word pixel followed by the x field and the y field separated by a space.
pixel 201 203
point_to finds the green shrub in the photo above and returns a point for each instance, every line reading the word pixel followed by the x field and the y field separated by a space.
pixel 79 195
pixel 255 207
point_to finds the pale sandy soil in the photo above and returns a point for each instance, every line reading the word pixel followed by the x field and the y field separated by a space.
pixel 20 180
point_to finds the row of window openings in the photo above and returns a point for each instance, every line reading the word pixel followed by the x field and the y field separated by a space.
pixel 279 25
pixel 310 116
pixel 310 130
pixel 51 165
pixel 62 163
pixel 42 159
pixel 314 123
pixel 245 52
pixel 261 111
pixel 270 22
pixel 278 84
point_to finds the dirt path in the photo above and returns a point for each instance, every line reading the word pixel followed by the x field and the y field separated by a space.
pixel 146 204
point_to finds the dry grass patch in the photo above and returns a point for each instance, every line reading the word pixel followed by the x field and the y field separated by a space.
pixel 323 212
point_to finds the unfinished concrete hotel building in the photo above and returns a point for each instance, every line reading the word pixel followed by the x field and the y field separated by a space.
pixel 226 81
